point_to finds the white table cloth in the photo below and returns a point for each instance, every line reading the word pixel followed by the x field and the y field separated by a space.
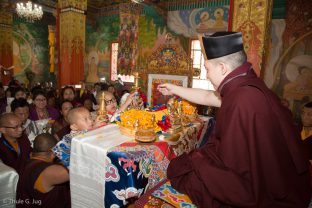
pixel 88 164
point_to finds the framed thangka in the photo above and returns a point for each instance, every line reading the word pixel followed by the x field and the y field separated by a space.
pixel 154 96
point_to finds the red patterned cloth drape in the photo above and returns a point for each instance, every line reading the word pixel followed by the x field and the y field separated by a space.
pixel 129 14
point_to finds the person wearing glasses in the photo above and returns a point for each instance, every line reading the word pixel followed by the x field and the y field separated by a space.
pixel 41 110
pixel 14 146
pixel 111 104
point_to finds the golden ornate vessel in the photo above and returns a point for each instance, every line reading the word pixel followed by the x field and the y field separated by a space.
pixel 141 129
pixel 175 116
pixel 102 113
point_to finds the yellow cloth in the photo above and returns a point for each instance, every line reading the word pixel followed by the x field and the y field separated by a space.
pixel 14 145
pixel 38 184
pixel 304 135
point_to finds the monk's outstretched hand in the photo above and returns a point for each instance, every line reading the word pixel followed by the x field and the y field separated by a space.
pixel 166 89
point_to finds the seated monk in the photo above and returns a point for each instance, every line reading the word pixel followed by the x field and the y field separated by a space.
pixel 14 146
pixel 43 183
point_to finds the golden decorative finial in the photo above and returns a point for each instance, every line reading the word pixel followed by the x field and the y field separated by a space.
pixel 102 113
pixel 174 116
pixel 137 102
pixel 136 125
pixel 136 81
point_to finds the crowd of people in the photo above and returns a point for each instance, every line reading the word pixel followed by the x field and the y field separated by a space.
pixel 36 129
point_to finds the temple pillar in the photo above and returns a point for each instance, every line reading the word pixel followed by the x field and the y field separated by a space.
pixel 253 19
pixel 6 45
pixel 72 21
pixel 51 39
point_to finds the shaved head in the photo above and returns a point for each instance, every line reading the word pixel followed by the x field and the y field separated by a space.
pixel 44 143
pixel 74 114
pixel 6 119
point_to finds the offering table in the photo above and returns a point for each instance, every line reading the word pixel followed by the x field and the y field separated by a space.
pixel 108 168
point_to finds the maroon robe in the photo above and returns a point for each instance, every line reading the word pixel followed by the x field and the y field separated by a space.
pixel 307 142
pixel 255 158
pixel 10 157
pixel 64 131
pixel 28 196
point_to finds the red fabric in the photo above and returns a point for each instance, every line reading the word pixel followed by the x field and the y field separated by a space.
pixel 144 198
pixel 143 96
pixel 255 158
pixel 162 145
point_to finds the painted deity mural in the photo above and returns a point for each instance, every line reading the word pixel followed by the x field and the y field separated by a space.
pixel 152 30
pixel 289 66
pixel 99 37
pixel 190 23
pixel 30 52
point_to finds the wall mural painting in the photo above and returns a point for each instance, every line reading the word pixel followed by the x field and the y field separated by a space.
pixel 296 78
pixel 291 77
pixel 98 42
pixel 190 23
pixel 30 52
pixel 152 30
pixel 154 33
pixel 274 50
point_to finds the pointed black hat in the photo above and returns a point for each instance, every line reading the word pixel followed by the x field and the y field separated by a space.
pixel 221 44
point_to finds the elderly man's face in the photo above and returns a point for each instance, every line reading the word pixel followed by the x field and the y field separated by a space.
pixel 306 117
pixel 13 128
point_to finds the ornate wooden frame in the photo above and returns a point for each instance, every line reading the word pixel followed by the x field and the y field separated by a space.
pixel 156 79
pixel 169 59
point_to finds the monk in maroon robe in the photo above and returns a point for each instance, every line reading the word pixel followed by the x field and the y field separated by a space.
pixel 14 145
pixel 43 183
pixel 306 128
pixel 255 158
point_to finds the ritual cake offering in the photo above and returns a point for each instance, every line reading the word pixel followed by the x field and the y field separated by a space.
pixel 138 124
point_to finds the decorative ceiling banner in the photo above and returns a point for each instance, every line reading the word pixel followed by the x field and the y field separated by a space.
pixel 129 14
pixel 192 22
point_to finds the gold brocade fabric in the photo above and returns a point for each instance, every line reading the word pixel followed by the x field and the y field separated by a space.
pixel 253 18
